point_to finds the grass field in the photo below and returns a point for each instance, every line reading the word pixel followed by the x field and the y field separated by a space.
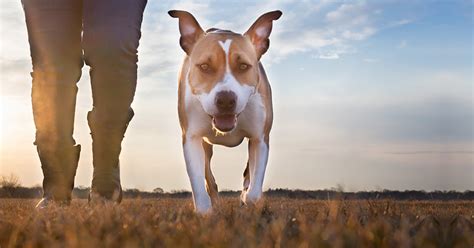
pixel 276 222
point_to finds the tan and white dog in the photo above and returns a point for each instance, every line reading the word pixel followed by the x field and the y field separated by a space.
pixel 224 97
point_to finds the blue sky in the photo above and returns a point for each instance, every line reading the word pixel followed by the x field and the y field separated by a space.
pixel 367 95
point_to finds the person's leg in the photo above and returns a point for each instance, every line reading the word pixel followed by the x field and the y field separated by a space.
pixel 54 33
pixel 110 43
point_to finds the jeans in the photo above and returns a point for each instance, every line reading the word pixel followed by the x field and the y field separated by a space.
pixel 65 34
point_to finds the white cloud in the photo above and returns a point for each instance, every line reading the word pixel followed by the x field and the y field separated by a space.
pixel 400 22
pixel 326 27
pixel 358 35
pixel 330 36
pixel 329 56
pixel 348 13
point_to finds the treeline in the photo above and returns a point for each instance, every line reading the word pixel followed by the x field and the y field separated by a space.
pixel 82 193
pixel 373 195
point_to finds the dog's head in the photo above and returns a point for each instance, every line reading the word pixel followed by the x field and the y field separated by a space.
pixel 224 66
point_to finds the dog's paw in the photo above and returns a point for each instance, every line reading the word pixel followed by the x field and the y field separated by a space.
pixel 250 197
pixel 204 207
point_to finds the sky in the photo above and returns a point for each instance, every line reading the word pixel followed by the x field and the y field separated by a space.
pixel 367 95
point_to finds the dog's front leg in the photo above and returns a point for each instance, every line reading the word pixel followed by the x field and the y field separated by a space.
pixel 194 157
pixel 258 157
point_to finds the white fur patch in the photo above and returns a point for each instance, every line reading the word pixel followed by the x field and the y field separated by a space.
pixel 258 158
pixel 194 157
pixel 229 83
pixel 226 46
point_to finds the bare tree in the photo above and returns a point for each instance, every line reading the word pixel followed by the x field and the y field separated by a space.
pixel 158 190
pixel 11 181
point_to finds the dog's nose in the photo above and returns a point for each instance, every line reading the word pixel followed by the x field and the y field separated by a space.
pixel 226 101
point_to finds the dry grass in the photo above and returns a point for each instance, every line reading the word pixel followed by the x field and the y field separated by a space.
pixel 277 222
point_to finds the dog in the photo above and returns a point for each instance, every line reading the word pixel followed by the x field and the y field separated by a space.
pixel 223 97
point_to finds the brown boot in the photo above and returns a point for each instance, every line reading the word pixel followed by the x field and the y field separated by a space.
pixel 106 148
pixel 53 111
pixel 59 169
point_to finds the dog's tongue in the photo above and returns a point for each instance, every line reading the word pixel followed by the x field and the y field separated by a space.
pixel 224 123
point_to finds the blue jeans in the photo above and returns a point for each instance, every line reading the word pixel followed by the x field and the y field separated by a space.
pixel 63 35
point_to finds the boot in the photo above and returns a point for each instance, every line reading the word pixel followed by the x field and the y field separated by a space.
pixel 53 111
pixel 59 169
pixel 106 148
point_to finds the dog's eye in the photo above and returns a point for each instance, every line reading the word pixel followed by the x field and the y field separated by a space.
pixel 243 66
pixel 204 67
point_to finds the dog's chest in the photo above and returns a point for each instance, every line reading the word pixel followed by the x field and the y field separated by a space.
pixel 229 140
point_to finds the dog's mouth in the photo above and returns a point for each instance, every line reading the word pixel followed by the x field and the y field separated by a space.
pixel 224 122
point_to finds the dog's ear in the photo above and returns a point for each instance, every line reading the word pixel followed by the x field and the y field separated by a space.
pixel 189 29
pixel 260 31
